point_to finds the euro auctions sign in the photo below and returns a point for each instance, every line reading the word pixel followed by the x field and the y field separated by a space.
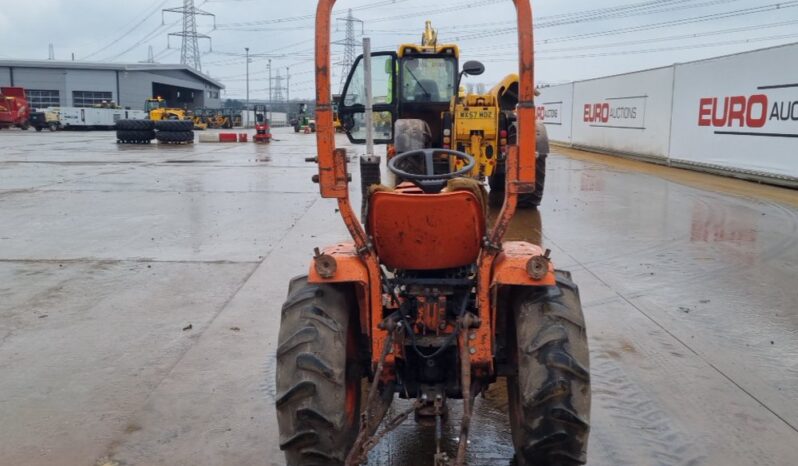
pixel 616 112
pixel 550 113
pixel 771 112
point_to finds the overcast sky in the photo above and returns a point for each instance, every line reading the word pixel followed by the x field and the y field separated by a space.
pixel 577 39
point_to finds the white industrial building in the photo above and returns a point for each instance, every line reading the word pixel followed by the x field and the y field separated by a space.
pixel 50 83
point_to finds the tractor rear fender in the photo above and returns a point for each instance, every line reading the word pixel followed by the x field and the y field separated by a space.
pixel 349 268
pixel 510 266
pixel 510 272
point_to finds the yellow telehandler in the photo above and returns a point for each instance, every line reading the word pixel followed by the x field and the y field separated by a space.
pixel 157 109
pixel 430 111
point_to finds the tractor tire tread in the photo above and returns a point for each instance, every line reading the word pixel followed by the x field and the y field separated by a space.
pixel 313 375
pixel 302 294
pixel 135 125
pixel 174 125
pixel 553 387
pixel 174 136
pixel 135 136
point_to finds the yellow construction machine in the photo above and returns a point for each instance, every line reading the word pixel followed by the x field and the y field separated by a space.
pixel 157 109
pixel 418 88
pixel 198 116
pixel 220 118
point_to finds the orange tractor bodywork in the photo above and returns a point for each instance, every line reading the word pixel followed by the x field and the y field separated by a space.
pixel 427 271
pixel 333 181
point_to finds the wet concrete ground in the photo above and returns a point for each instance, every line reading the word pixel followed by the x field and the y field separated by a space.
pixel 140 290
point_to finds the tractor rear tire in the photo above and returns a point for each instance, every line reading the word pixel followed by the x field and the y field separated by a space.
pixel 174 125
pixel 136 137
pixel 135 125
pixel 175 136
pixel 550 394
pixel 318 374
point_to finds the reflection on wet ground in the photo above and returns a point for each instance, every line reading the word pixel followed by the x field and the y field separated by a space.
pixel 108 252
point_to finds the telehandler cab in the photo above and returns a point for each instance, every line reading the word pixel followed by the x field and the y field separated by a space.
pixel 433 110
pixel 427 302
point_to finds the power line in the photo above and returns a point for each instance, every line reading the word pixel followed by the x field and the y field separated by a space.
pixel 664 24
pixel 290 19
pixel 127 33
pixel 349 44
pixel 648 7
pixel 144 39
pixel 442 9
pixel 695 35
pixel 661 49
pixel 189 50
pixel 278 87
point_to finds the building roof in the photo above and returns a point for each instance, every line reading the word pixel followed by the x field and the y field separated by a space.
pixel 84 65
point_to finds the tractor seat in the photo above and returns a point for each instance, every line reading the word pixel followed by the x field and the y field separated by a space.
pixel 416 231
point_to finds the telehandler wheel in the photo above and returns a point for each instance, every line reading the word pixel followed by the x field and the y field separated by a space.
pixel 497 180
pixel 550 395
pixel 318 374
pixel 533 200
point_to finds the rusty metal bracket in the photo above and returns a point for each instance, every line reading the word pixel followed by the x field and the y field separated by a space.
pixel 491 246
pixel 376 408
pixel 467 322
pixel 441 458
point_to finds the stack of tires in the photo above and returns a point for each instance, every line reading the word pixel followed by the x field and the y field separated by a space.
pixel 175 131
pixel 135 131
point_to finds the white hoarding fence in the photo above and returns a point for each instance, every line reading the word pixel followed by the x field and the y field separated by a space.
pixel 747 121
pixel 550 113
pixel 737 113
pixel 617 112
pixel 628 114
pixel 553 108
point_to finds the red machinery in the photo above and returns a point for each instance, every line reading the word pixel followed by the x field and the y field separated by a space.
pixel 14 108
pixel 263 132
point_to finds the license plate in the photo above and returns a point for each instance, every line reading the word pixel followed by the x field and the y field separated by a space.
pixel 476 115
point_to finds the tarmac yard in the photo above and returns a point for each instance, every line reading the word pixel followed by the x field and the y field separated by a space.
pixel 140 294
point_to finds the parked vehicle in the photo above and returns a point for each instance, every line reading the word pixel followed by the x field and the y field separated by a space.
pixel 45 119
pixel 95 118
pixel 158 109
pixel 427 301
pixel 262 130
pixel 14 108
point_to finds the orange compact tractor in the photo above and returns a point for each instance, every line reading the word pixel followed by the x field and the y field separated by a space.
pixel 428 303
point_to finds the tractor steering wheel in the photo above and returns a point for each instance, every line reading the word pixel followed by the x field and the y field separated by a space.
pixel 430 182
